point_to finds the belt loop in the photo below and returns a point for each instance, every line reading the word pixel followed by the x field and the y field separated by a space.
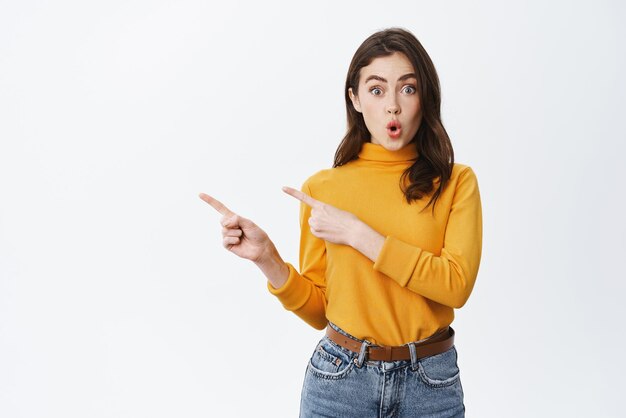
pixel 359 361
pixel 413 356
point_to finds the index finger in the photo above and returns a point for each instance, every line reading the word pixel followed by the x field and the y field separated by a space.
pixel 302 196
pixel 217 205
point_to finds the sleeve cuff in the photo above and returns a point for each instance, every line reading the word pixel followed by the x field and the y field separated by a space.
pixel 397 259
pixel 294 293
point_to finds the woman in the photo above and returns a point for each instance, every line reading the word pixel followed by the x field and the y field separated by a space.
pixel 378 270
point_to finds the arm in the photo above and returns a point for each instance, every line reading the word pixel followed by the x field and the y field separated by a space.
pixel 304 293
pixel 273 267
pixel 448 278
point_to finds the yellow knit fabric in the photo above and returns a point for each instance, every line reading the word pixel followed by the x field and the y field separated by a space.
pixel 426 268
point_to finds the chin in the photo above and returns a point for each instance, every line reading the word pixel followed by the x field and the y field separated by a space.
pixel 396 143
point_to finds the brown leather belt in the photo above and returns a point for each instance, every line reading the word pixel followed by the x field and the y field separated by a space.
pixel 439 342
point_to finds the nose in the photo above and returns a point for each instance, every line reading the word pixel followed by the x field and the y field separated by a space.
pixel 392 106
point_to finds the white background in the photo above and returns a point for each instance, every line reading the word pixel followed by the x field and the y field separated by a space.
pixel 117 298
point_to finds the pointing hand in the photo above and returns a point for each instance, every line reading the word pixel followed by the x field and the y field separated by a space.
pixel 328 222
pixel 241 236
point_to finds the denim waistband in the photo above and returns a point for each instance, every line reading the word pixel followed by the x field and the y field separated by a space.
pixel 364 344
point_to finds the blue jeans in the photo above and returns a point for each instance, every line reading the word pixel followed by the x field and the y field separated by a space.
pixel 341 383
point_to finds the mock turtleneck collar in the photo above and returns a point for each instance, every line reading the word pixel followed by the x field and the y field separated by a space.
pixel 375 152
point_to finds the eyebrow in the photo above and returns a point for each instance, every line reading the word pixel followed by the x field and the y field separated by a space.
pixel 384 80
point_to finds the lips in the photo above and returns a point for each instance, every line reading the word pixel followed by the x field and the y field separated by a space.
pixel 394 129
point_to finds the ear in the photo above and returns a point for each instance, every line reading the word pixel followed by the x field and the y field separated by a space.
pixel 355 100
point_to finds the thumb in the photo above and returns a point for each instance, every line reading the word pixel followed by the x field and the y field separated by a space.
pixel 237 220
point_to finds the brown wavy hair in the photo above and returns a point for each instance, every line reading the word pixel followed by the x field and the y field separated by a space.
pixel 435 154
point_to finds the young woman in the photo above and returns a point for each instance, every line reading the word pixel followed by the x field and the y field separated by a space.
pixel 390 245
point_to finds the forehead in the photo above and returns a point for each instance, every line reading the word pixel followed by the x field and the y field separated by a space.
pixel 390 67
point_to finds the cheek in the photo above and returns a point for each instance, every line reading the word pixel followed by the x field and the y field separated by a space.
pixel 370 108
pixel 372 118
pixel 412 108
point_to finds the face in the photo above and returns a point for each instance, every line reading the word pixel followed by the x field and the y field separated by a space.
pixel 388 99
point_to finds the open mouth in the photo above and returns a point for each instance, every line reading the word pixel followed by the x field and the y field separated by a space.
pixel 394 129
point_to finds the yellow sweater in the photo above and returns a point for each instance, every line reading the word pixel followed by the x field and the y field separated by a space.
pixel 426 268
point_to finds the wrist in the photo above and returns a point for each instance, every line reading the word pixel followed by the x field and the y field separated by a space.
pixel 269 257
pixel 367 241
pixel 273 267
pixel 357 232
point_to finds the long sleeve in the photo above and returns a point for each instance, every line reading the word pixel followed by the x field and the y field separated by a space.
pixel 448 278
pixel 304 293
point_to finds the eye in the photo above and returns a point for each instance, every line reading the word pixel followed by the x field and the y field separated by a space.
pixel 409 89
pixel 376 91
